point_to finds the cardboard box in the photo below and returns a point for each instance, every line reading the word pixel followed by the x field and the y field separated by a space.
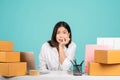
pixel 9 56
pixel 97 69
pixel 29 58
pixel 6 46
pixel 13 69
pixel 89 54
pixel 107 56
pixel 34 72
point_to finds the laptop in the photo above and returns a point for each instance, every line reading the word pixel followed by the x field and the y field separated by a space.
pixel 29 58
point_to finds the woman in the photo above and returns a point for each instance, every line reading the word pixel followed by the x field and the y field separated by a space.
pixel 58 53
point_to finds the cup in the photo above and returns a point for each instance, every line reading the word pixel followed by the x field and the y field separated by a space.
pixel 77 70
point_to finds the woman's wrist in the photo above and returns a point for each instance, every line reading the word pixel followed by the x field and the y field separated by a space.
pixel 61 49
pixel 61 46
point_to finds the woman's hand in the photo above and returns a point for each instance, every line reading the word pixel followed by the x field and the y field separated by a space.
pixel 63 41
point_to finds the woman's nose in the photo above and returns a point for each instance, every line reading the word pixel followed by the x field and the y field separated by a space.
pixel 61 35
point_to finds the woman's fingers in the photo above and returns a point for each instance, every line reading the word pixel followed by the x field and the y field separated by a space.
pixel 66 40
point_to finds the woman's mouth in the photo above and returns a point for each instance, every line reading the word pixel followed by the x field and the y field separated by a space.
pixel 61 40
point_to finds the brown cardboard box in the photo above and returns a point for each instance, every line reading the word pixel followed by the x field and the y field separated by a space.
pixel 107 56
pixel 29 58
pixel 6 46
pixel 13 69
pixel 34 72
pixel 9 56
pixel 97 69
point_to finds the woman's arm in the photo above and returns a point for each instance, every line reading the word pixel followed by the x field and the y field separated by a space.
pixel 71 53
pixel 61 46
pixel 62 55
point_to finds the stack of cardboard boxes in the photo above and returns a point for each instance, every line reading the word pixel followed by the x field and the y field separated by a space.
pixel 89 57
pixel 10 64
pixel 106 63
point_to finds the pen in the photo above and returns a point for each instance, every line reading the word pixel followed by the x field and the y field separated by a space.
pixel 71 62
pixel 75 61
pixel 81 63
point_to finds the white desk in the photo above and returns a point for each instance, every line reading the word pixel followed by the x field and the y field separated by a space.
pixel 61 75
pixel 2 78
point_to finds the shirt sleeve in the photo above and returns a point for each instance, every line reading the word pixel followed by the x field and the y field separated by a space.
pixel 70 56
pixel 42 60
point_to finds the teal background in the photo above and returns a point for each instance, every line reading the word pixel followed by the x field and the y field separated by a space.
pixel 29 23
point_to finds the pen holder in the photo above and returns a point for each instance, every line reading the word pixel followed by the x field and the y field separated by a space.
pixel 77 70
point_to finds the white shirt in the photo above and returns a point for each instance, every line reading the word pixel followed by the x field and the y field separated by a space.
pixel 49 57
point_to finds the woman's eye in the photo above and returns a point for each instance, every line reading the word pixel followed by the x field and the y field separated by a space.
pixel 64 32
pixel 58 32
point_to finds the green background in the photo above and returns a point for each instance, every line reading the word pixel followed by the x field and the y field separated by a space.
pixel 29 23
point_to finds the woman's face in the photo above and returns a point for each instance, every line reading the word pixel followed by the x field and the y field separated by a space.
pixel 62 33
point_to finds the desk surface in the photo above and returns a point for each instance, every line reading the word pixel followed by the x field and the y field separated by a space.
pixel 61 75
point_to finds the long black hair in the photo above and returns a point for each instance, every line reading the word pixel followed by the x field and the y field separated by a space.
pixel 53 42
